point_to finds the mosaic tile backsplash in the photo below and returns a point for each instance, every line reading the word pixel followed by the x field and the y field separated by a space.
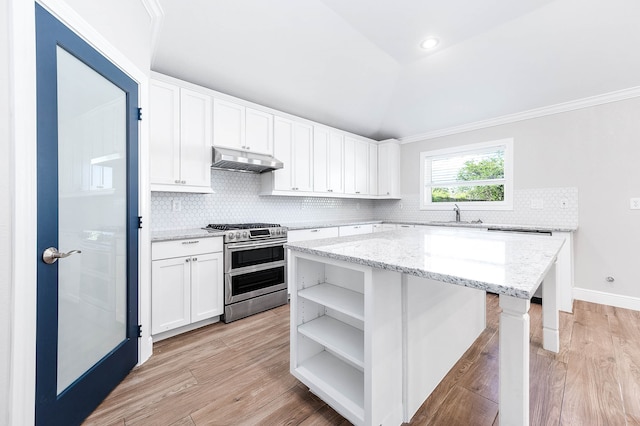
pixel 549 211
pixel 235 199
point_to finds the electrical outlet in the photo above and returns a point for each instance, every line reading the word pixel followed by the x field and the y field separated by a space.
pixel 537 204
pixel 176 205
pixel 564 203
pixel 634 204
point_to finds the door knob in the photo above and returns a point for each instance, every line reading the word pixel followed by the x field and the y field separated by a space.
pixel 51 255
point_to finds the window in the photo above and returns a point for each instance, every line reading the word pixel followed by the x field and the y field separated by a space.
pixel 478 176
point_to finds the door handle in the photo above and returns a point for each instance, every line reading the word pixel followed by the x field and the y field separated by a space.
pixel 51 255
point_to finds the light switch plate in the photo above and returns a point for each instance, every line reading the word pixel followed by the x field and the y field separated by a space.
pixel 634 204
pixel 564 203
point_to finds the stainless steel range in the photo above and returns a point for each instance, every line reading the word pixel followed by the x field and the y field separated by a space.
pixel 255 268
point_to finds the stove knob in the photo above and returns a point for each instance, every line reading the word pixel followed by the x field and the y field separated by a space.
pixel 245 234
pixel 238 235
pixel 276 231
pixel 284 232
pixel 231 236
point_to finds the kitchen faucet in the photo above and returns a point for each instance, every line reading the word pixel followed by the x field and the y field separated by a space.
pixel 457 210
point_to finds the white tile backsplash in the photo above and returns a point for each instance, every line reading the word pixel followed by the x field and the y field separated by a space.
pixel 524 211
pixel 235 199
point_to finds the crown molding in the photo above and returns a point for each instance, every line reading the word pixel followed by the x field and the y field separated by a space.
pixel 618 95
pixel 157 18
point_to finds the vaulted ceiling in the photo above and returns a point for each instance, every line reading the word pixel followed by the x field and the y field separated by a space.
pixel 357 64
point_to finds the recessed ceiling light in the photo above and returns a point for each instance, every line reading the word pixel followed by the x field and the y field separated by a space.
pixel 429 43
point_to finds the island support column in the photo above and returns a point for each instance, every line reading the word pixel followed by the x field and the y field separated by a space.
pixel 550 316
pixel 514 361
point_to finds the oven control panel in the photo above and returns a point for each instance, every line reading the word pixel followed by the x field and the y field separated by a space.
pixel 255 234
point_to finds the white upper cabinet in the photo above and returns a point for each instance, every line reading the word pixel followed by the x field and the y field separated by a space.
pixel 389 169
pixel 328 161
pixel 195 138
pixel 228 124
pixel 293 145
pixel 180 139
pixel 356 166
pixel 240 127
pixel 259 131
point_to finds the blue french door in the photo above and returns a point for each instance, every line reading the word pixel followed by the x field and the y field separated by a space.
pixel 87 179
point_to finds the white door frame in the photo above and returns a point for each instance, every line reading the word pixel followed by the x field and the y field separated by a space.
pixel 22 60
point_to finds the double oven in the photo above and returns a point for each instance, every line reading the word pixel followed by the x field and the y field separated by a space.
pixel 255 268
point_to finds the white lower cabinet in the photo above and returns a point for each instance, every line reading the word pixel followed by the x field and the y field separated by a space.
pixel 345 354
pixel 186 283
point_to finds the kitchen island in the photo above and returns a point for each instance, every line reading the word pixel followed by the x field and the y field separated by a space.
pixel 377 320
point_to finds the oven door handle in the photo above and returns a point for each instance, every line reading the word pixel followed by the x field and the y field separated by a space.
pixel 234 246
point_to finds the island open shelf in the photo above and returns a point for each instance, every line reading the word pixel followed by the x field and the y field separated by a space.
pixel 337 324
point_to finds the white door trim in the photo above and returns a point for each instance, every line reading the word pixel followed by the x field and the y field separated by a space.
pixel 23 132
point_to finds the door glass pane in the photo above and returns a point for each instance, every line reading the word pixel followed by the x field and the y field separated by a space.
pixel 92 217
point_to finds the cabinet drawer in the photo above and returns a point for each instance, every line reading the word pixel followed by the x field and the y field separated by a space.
pixel 355 230
pixel 312 234
pixel 178 248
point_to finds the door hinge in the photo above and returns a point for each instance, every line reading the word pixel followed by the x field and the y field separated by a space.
pixel 139 330
pixel 139 222
pixel 139 114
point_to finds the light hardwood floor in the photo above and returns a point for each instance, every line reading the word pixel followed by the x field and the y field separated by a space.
pixel 238 374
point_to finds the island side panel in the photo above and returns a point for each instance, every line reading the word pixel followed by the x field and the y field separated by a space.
pixel 441 322
pixel 383 348
pixel 550 318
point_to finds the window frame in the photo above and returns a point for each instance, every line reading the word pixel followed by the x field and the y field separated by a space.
pixel 425 181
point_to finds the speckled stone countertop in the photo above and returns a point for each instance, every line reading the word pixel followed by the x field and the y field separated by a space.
pixel 501 226
pixel 183 234
pixel 503 263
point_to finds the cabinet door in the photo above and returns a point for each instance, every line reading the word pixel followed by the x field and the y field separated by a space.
pixel 170 294
pixel 259 132
pixel 282 141
pixel 228 124
pixel 389 169
pixel 336 163
pixel 362 167
pixel 302 157
pixel 195 138
pixel 320 159
pixel 206 286
pixel 373 169
pixel 349 165
pixel 164 133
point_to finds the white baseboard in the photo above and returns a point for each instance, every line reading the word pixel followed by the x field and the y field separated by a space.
pixel 594 296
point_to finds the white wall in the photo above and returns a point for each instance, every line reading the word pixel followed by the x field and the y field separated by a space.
pixel 5 218
pixel 125 24
pixel 595 149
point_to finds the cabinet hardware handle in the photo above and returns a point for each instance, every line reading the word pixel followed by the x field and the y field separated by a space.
pixel 356 227
pixel 191 242
pixel 195 259
pixel 177 181
pixel 248 147
pixel 184 181
pixel 314 230
pixel 357 192
pixel 187 260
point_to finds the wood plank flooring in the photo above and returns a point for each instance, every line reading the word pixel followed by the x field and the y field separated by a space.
pixel 238 374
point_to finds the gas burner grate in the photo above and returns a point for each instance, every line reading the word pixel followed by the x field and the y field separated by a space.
pixel 230 226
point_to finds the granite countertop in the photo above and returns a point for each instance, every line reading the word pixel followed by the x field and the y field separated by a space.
pixel 502 226
pixel 503 263
pixel 182 234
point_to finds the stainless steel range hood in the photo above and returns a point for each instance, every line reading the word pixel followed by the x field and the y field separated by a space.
pixel 243 161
